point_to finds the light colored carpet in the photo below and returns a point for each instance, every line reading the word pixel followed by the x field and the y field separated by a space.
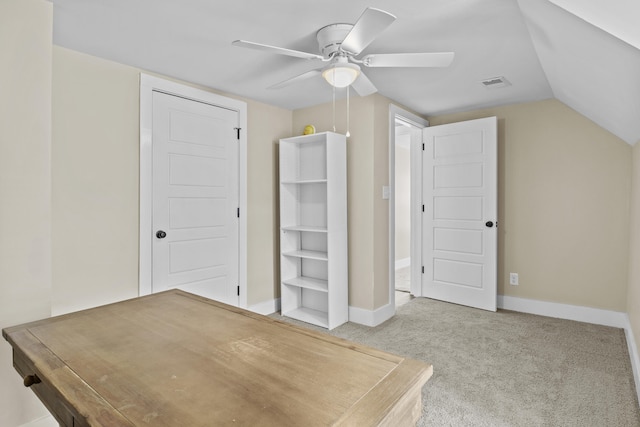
pixel 508 368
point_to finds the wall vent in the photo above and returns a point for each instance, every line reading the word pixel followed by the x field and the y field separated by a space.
pixel 496 82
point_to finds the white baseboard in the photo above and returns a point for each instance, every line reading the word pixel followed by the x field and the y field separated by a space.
pixel 402 263
pixel 371 317
pixel 564 311
pixel 633 354
pixel 47 421
pixel 266 307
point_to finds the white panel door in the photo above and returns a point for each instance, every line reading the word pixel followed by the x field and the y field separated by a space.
pixel 195 198
pixel 459 223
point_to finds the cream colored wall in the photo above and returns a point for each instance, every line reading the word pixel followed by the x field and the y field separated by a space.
pixel 266 126
pixel 95 170
pixel 359 181
pixel 633 295
pixel 95 184
pixel 563 197
pixel 381 206
pixel 402 197
pixel 25 193
pixel 367 173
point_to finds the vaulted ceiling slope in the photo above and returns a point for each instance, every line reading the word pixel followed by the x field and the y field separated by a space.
pixel 558 48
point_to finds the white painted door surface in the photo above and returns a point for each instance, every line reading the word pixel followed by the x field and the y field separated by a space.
pixel 195 198
pixel 460 213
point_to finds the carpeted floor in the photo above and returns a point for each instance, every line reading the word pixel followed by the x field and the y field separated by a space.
pixel 508 368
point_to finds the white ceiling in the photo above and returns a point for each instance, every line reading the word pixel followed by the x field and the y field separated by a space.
pixel 541 48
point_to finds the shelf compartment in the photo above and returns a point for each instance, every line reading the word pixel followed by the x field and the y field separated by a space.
pixel 308 283
pixel 305 228
pixel 303 159
pixel 306 204
pixel 304 181
pixel 309 315
pixel 320 256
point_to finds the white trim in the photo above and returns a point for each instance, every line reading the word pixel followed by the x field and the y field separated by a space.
pixel 396 112
pixel 266 307
pixel 371 317
pixel 402 263
pixel 564 311
pixel 633 355
pixel 148 84
pixel 47 421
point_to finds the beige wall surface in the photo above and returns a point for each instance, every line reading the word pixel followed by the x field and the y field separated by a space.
pixel 367 173
pixel 266 126
pixel 563 205
pixel 95 170
pixel 633 296
pixel 25 192
pixel 381 139
pixel 95 184
pixel 359 186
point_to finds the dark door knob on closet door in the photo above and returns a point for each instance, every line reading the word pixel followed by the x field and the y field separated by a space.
pixel 161 234
pixel 489 224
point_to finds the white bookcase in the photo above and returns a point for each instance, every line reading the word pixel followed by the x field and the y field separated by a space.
pixel 313 229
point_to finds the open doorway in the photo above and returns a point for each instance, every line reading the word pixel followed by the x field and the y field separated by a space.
pixel 404 163
pixel 402 191
pixel 404 133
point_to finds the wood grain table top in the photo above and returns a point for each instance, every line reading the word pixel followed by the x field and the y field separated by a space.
pixel 176 359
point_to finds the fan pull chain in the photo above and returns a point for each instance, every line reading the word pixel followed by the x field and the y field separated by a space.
pixel 334 101
pixel 348 134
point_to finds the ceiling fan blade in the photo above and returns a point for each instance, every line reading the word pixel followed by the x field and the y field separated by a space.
pixel 363 85
pixel 278 50
pixel 296 79
pixel 435 59
pixel 370 24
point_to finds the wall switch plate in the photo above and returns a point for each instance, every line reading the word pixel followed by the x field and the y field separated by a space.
pixel 513 278
pixel 385 192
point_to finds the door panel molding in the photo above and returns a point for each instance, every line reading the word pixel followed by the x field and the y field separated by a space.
pixel 459 199
pixel 149 84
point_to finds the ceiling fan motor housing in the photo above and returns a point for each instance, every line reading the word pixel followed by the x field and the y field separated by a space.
pixel 330 38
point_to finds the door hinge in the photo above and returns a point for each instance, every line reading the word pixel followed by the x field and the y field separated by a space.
pixel 422 208
pixel 238 212
pixel 423 146
pixel 238 290
pixel 423 269
pixel 238 132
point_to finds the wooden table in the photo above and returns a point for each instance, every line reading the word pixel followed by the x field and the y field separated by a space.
pixel 176 359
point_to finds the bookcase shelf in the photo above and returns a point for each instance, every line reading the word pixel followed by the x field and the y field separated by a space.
pixel 313 235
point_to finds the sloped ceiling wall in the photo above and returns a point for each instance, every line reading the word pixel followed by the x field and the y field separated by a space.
pixel 585 53
pixel 589 69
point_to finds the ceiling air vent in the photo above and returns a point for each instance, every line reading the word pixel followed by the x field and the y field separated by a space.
pixel 496 82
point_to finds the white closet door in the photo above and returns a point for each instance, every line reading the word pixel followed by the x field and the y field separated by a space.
pixel 460 213
pixel 195 198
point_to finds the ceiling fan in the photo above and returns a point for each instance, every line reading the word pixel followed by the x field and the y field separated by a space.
pixel 340 44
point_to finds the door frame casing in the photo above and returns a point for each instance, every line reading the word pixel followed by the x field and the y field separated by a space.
pixel 396 112
pixel 148 85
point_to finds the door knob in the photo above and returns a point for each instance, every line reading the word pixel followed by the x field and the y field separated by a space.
pixel 161 234
pixel 489 224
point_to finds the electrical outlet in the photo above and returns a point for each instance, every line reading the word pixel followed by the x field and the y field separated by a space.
pixel 513 279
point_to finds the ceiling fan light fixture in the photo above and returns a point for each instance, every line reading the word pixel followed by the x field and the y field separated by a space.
pixel 341 74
